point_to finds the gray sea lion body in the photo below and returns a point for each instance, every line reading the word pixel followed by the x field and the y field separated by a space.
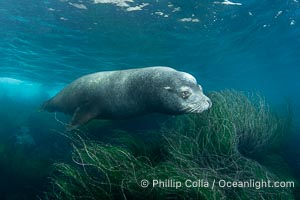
pixel 127 93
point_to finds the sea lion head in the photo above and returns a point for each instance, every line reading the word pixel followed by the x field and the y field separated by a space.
pixel 184 95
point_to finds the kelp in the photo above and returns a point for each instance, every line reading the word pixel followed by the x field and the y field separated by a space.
pixel 226 142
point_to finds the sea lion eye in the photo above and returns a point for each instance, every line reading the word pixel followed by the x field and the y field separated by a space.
pixel 185 94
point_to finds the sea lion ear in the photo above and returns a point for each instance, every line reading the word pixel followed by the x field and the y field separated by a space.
pixel 168 88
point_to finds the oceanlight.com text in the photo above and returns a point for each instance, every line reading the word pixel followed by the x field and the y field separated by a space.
pixel 188 183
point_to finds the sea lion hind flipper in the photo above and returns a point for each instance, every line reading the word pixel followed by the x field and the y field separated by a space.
pixel 49 106
pixel 83 114
pixel 44 106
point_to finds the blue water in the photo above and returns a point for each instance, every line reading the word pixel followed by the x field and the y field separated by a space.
pixel 255 46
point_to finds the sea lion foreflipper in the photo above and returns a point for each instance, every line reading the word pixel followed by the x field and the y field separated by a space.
pixel 83 114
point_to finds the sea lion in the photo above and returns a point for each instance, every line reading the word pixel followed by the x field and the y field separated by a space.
pixel 127 93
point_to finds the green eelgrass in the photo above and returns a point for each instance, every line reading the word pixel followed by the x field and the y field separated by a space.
pixel 220 144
